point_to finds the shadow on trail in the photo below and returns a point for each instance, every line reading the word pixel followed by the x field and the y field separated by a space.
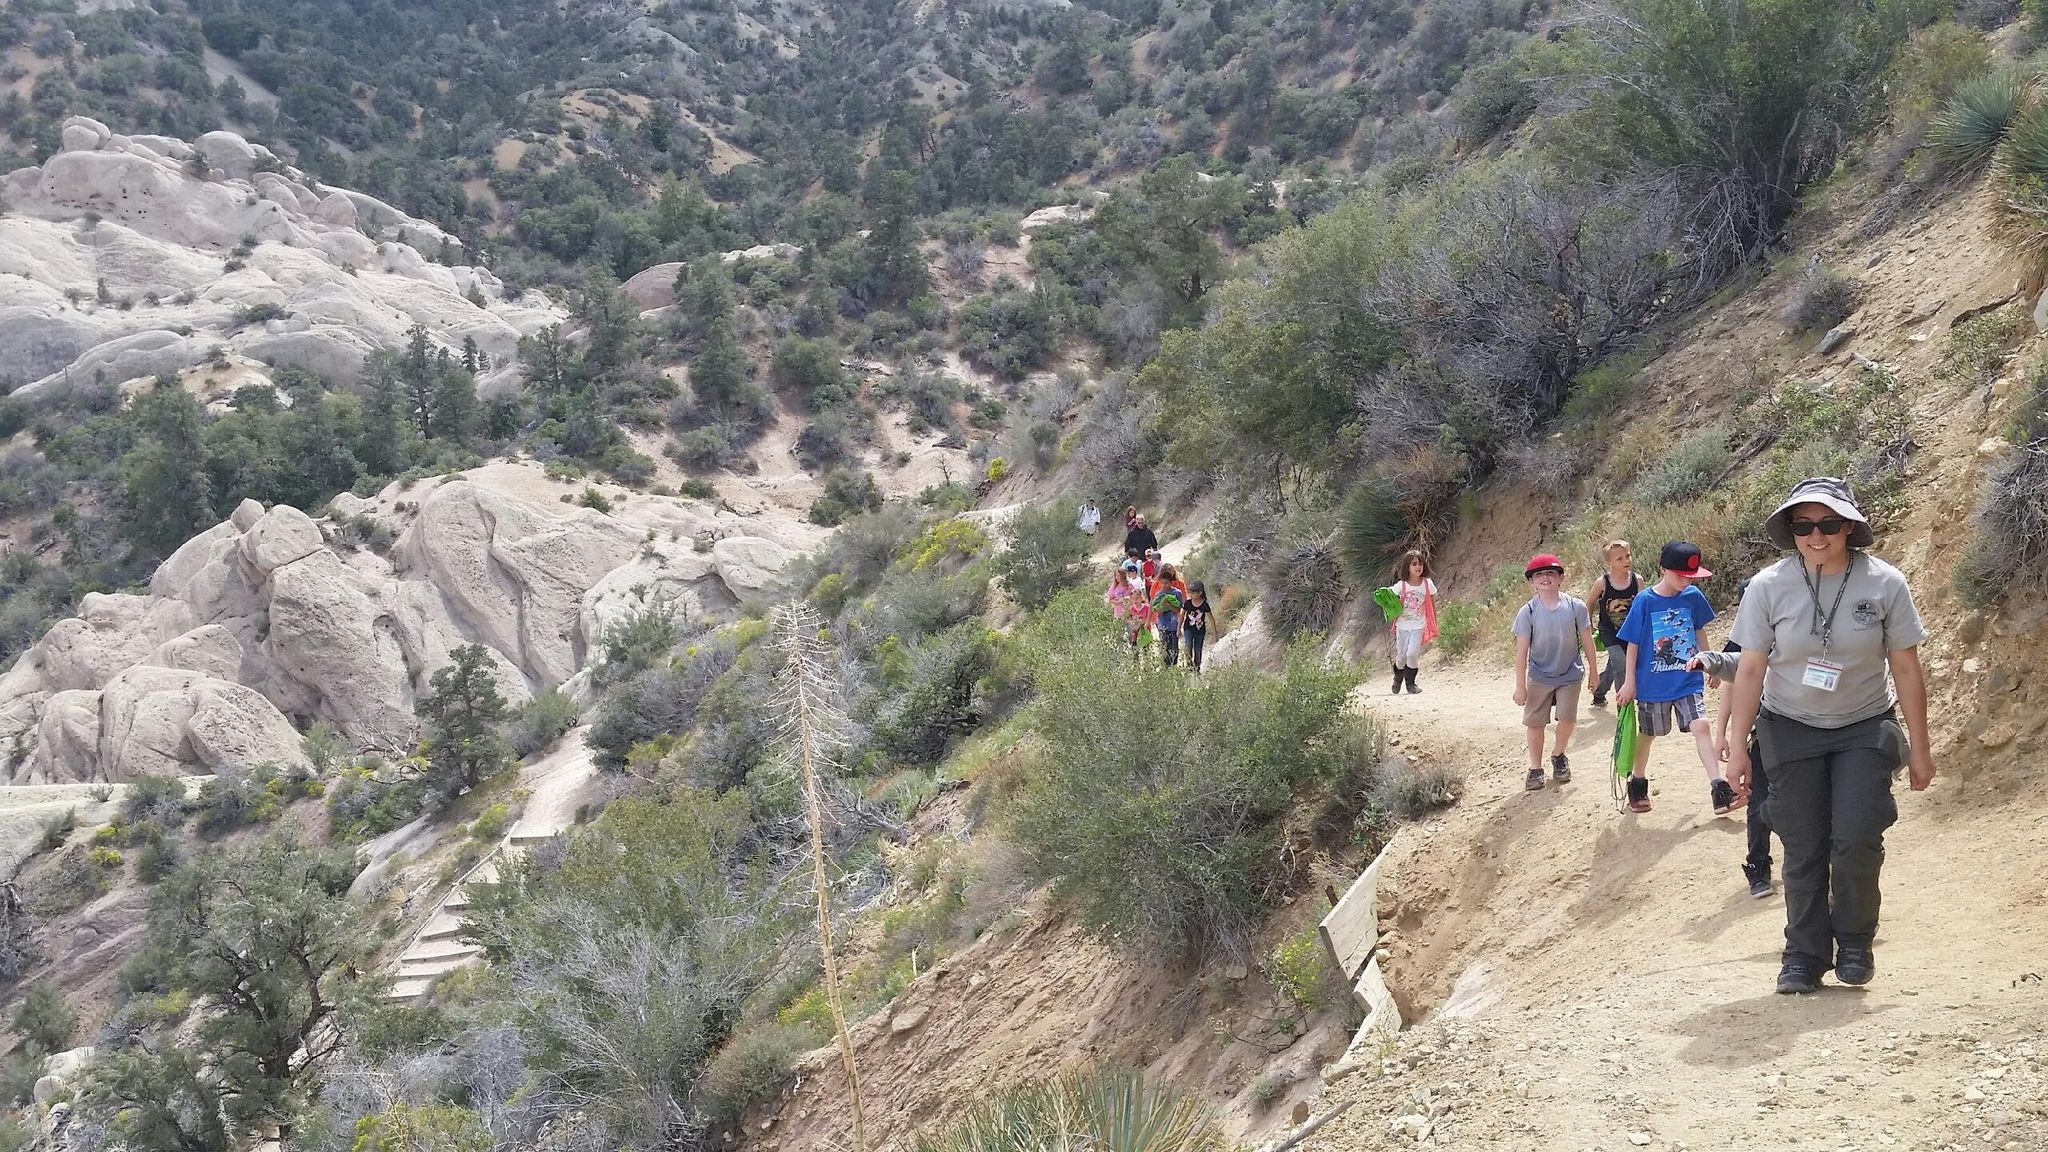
pixel 1739 906
pixel 1745 1033
pixel 1618 873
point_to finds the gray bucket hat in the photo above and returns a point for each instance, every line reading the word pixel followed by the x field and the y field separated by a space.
pixel 1825 490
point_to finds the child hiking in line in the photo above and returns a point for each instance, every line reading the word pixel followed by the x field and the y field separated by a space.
pixel 1720 668
pixel 1552 631
pixel 1128 603
pixel 1194 623
pixel 1612 593
pixel 1416 626
pixel 1169 596
pixel 1662 631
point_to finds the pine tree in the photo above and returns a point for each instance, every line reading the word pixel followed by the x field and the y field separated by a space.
pixel 384 443
pixel 416 372
pixel 168 497
pixel 457 411
pixel 463 709
pixel 896 268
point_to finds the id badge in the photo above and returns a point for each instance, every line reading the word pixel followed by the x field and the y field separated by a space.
pixel 1822 674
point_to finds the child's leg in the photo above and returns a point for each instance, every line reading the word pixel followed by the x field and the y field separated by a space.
pixel 1643 741
pixel 1535 747
pixel 1703 740
pixel 1567 716
pixel 1195 639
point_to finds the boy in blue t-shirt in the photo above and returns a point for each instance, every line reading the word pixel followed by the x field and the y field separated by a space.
pixel 1662 632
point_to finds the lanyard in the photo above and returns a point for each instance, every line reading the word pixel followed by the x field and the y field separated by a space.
pixel 1825 625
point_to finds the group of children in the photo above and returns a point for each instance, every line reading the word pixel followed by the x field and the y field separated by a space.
pixel 1653 635
pixel 1149 599
pixel 1657 660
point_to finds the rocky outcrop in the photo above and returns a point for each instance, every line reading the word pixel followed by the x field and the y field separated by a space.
pixel 136 215
pixel 261 625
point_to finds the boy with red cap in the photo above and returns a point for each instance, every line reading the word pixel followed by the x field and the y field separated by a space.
pixel 1663 634
pixel 1551 632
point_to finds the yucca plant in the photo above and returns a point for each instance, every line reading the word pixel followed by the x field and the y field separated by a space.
pixel 1303 589
pixel 1086 1110
pixel 1966 133
pixel 2023 168
pixel 1371 531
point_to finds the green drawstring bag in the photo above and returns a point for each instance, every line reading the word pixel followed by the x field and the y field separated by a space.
pixel 1625 739
pixel 1389 602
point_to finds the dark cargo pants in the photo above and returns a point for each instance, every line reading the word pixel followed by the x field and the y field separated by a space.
pixel 1830 803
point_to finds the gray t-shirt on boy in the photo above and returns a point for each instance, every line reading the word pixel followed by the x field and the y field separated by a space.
pixel 1553 635
pixel 1849 681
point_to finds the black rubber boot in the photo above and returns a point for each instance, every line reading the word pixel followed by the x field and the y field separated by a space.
pixel 1412 689
pixel 1400 674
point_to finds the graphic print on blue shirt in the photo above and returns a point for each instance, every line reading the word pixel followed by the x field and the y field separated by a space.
pixel 1665 633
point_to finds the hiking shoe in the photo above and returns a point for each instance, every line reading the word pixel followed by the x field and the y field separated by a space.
pixel 1535 782
pixel 1638 794
pixel 1760 884
pixel 1561 769
pixel 1797 978
pixel 1854 966
pixel 1599 701
pixel 1724 798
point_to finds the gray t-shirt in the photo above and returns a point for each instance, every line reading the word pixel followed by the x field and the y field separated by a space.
pixel 1877 617
pixel 1553 635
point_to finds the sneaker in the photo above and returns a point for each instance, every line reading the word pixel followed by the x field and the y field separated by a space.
pixel 1760 884
pixel 1599 701
pixel 1724 798
pixel 1535 782
pixel 1797 978
pixel 1638 794
pixel 1561 769
pixel 1854 966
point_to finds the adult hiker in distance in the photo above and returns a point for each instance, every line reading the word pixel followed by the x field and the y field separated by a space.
pixel 1821 630
pixel 1139 539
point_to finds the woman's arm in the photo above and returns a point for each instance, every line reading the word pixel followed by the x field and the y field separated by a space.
pixel 1911 681
pixel 1745 696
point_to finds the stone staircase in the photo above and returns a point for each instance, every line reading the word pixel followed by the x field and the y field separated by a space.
pixel 556 783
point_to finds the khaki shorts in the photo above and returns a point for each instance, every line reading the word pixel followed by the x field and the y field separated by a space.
pixel 1565 697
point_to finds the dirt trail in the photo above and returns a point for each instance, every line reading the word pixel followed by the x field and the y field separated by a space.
pixel 1588 979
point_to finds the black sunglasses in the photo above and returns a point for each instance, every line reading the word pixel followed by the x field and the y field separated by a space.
pixel 1832 526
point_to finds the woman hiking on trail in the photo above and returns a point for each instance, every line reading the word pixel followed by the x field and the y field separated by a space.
pixel 1820 630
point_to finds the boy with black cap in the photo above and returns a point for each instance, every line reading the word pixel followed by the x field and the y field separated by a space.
pixel 1551 632
pixel 1663 633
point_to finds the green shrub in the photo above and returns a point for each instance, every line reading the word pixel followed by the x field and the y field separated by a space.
pixel 158 800
pixel 1457 627
pixel 1298 972
pixel 43 1020
pixel 235 799
pixel 1102 1111
pixel 594 500
pixel 697 488
pixel 431 1127
pixel 1302 589
pixel 370 799
pixel 1153 806
pixel 1412 792
pixel 1965 134
pixel 539 722
pixel 1941 58
pixel 1686 471
pixel 2009 549
pixel 1042 554
pixel 1976 347
pixel 938 703
pixel 642 638
pixel 752 1067
pixel 1822 299
pixel 18 1076
pixel 811 369
pixel 848 491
